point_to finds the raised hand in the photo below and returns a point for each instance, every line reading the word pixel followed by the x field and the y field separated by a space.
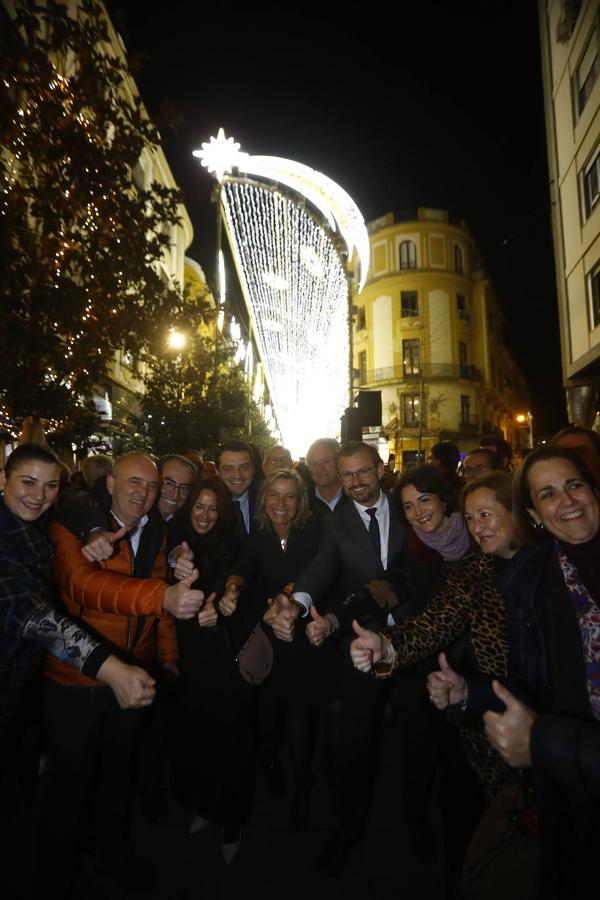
pixel 366 649
pixel 181 600
pixel 445 687
pixel 101 544
pixel 184 564
pixel 510 731
pixel 132 686
pixel 207 616
pixel 319 629
pixel 228 602
pixel 282 615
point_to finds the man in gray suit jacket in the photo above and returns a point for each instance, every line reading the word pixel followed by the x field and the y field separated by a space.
pixel 358 542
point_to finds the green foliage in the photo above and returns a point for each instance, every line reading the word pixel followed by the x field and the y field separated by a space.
pixel 198 398
pixel 80 242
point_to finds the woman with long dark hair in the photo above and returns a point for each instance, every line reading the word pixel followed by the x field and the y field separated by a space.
pixel 212 720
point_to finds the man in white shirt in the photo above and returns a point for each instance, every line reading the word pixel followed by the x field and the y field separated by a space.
pixel 321 460
pixel 236 468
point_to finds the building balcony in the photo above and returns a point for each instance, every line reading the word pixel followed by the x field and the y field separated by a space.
pixel 428 372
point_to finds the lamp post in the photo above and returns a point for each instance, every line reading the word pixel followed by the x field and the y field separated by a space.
pixel 177 341
pixel 527 417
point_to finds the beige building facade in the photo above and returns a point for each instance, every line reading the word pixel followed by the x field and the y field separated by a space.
pixel 570 45
pixel 428 334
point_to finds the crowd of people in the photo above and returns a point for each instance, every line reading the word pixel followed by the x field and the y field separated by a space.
pixel 251 604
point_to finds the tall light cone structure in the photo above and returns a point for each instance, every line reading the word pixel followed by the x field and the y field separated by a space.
pixel 293 234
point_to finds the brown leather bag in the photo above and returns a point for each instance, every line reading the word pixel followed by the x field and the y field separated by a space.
pixel 255 659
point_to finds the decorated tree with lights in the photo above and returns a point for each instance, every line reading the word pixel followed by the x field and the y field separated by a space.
pixel 79 240
pixel 197 397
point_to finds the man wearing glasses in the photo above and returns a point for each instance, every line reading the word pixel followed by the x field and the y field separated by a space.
pixel 177 474
pixel 277 457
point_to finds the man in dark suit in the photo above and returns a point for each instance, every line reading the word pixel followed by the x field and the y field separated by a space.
pixel 235 467
pixel 358 542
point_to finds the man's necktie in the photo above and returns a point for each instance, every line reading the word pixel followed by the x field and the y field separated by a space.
pixel 240 516
pixel 374 533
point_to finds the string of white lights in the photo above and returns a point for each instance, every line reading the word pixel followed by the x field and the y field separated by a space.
pixel 296 292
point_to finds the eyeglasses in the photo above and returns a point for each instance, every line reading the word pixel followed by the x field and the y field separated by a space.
pixel 280 460
pixel 171 485
pixel 360 473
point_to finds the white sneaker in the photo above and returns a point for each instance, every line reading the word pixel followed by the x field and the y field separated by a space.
pixel 197 824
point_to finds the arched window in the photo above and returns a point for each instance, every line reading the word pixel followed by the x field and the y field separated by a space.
pixel 408 255
pixel 458 260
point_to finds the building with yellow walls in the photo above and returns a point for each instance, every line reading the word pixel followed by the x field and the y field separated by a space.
pixel 570 45
pixel 428 334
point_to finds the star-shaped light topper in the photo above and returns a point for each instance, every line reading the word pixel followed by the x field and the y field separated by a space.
pixel 220 154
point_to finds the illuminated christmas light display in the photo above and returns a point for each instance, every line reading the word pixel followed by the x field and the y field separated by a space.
pixel 287 255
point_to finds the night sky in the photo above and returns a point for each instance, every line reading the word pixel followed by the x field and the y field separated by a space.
pixel 423 104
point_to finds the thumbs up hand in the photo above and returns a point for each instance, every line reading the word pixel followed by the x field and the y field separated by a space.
pixel 445 687
pixel 366 649
pixel 207 617
pixel 181 600
pixel 510 731
pixel 319 629
pixel 184 564
pixel 101 544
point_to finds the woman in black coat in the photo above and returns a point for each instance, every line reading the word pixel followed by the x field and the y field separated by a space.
pixel 213 721
pixel 303 677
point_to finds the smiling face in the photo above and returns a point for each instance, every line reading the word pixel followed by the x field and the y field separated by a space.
pixel 31 489
pixel 360 477
pixel 563 502
pixel 235 469
pixel 133 486
pixel 322 466
pixel 425 512
pixel 490 523
pixel 175 484
pixel 205 512
pixel 281 504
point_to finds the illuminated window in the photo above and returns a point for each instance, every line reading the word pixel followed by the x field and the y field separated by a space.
pixel 591 184
pixel 412 409
pixel 411 356
pixel 361 318
pixel 408 255
pixel 461 307
pixel 409 303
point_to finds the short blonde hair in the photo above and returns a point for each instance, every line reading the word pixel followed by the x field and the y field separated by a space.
pixel 303 511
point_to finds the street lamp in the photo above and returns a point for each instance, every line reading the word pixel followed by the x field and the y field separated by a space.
pixel 177 341
pixel 522 418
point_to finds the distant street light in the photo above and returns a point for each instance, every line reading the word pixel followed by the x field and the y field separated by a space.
pixel 523 418
pixel 176 340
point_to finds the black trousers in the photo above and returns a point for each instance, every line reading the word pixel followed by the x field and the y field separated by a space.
pixel 88 784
